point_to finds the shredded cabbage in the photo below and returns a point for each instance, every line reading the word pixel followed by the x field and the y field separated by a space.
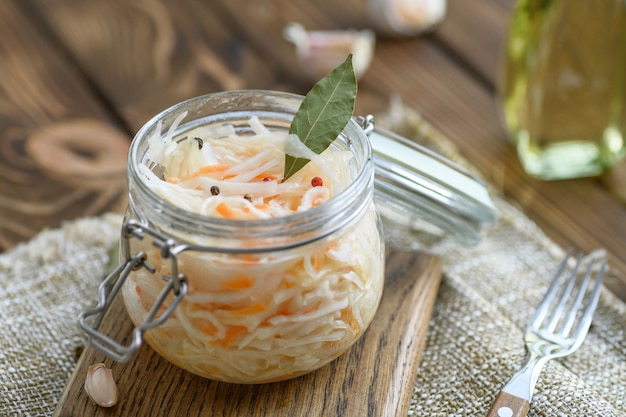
pixel 261 317
pixel 210 160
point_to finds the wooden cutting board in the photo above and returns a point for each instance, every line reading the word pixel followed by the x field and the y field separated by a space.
pixel 374 378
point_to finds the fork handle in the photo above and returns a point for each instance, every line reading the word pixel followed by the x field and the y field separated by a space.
pixel 509 405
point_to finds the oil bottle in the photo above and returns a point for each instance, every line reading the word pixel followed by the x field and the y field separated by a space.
pixel 562 86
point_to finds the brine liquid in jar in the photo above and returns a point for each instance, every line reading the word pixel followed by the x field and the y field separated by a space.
pixel 282 276
pixel 563 86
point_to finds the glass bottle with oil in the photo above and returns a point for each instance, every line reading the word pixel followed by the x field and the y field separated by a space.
pixel 563 87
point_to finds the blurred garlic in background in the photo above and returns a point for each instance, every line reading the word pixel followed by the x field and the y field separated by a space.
pixel 320 51
pixel 406 17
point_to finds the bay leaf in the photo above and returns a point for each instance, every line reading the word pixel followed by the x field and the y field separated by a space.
pixel 323 113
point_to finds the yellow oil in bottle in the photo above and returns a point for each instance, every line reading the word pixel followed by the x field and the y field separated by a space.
pixel 563 87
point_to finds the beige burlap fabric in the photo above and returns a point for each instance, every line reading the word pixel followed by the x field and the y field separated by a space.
pixel 44 284
pixel 475 336
pixel 473 345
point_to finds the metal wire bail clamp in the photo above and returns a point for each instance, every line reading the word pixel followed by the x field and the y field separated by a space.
pixel 110 286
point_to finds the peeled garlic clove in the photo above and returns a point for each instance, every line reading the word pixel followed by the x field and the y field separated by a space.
pixel 101 386
pixel 320 51
pixel 406 17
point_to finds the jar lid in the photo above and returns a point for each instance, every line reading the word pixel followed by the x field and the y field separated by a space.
pixel 413 185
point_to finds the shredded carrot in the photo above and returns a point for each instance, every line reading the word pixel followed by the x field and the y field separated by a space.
pixel 317 261
pixel 348 317
pixel 248 211
pixel 262 206
pixel 173 180
pixel 146 302
pixel 238 283
pixel 138 290
pixel 232 333
pixel 226 211
pixel 248 257
pixel 253 309
pixel 206 327
pixel 207 169
pixel 283 311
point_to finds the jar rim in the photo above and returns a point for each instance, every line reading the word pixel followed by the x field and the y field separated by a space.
pixel 305 222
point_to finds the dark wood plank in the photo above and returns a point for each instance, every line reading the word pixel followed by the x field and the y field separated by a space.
pixel 474 32
pixel 79 78
pixel 374 378
pixel 61 153
pixel 146 56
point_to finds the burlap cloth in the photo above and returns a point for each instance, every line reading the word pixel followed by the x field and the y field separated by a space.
pixel 474 342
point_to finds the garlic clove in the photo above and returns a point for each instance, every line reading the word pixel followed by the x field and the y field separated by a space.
pixel 100 385
pixel 319 52
pixel 406 17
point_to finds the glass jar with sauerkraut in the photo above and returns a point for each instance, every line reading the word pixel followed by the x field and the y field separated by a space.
pixel 235 274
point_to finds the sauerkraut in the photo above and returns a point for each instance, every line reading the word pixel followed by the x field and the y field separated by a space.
pixel 267 316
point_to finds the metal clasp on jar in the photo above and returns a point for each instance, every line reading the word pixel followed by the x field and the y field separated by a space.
pixel 109 288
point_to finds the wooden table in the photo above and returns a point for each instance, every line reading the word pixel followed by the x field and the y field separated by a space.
pixel 79 77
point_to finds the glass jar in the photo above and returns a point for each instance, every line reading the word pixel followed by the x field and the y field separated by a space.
pixel 563 86
pixel 252 301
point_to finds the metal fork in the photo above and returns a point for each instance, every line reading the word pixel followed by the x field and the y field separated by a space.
pixel 557 329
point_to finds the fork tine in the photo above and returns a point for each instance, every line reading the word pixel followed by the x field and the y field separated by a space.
pixel 578 302
pixel 585 322
pixel 565 296
pixel 544 306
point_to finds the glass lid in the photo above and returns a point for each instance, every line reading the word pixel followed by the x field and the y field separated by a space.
pixel 414 185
